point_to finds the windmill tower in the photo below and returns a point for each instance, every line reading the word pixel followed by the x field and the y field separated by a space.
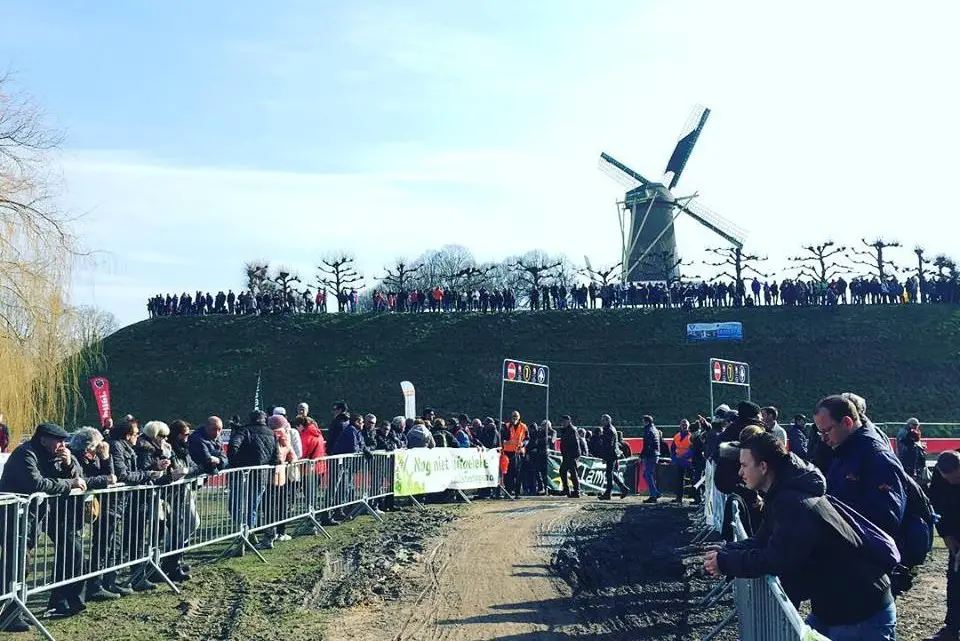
pixel 648 209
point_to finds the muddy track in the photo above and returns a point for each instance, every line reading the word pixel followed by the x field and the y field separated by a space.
pixel 546 569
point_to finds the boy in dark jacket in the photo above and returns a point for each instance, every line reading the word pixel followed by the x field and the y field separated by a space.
pixel 809 546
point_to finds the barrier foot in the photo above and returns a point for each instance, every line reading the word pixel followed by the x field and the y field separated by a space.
pixel 364 504
pixel 320 528
pixel 463 496
pixel 34 621
pixel 720 626
pixel 416 503
pixel 509 496
pixel 717 593
pixel 163 575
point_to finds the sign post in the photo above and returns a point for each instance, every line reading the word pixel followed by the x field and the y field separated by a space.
pixel 524 373
pixel 724 372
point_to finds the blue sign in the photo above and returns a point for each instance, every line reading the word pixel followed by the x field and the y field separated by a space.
pixel 697 332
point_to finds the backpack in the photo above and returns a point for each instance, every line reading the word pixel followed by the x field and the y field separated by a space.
pixel 879 546
pixel 915 538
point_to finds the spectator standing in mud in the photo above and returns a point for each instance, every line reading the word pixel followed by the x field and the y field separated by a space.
pixel 611 456
pixel 582 438
pixel 569 455
pixel 681 455
pixel 809 546
pixel 945 496
pixel 513 448
pixel 651 455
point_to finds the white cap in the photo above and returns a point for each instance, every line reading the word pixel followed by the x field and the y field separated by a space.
pixel 279 411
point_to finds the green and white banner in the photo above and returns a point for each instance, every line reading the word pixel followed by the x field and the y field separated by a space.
pixel 425 471
pixel 592 473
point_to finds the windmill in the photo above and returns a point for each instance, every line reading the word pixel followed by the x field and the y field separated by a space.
pixel 648 210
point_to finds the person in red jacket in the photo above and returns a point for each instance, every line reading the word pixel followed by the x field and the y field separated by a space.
pixel 314 447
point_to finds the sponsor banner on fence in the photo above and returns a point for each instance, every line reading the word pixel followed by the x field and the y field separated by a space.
pixel 424 471
pixel 593 473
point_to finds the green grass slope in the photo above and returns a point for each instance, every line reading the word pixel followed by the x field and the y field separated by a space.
pixel 904 360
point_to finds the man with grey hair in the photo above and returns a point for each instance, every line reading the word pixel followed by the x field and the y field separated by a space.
pixel 945 496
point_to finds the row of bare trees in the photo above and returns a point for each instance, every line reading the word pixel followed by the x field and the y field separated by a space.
pixel 455 267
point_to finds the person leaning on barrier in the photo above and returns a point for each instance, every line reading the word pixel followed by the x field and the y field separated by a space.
pixel 398 432
pixel 42 464
pixel 727 477
pixel 808 545
pixel 184 519
pixel 205 447
pixel 155 454
pixel 945 496
pixel 93 454
pixel 128 510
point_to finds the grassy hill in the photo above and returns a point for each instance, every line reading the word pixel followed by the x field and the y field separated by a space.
pixel 904 360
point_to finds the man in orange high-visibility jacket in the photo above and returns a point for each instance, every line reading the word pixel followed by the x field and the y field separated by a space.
pixel 513 448
pixel 681 455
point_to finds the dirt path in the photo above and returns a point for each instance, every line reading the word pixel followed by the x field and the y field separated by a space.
pixel 511 594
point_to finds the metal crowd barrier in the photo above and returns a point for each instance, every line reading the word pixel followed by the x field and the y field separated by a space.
pixel 53 545
pixel 762 608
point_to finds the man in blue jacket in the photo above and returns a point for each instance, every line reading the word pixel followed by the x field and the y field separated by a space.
pixel 650 454
pixel 865 473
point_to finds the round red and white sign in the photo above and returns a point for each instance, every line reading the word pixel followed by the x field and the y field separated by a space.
pixel 511 371
pixel 717 370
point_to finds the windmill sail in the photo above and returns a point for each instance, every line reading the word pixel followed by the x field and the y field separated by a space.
pixel 620 172
pixel 681 153
pixel 715 223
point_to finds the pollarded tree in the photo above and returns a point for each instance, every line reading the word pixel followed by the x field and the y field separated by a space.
pixel 820 262
pixel 875 257
pixel 736 265
pixel 336 272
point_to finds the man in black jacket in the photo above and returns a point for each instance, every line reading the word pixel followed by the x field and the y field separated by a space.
pixel 611 455
pixel 43 464
pixel 945 496
pixel 806 544
pixel 252 445
pixel 569 453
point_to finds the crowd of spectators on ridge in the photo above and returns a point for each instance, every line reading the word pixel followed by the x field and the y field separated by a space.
pixel 749 293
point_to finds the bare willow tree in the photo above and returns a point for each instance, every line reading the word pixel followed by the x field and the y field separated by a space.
pixel 820 262
pixel 92 324
pixel 337 272
pixel 872 257
pixel 40 379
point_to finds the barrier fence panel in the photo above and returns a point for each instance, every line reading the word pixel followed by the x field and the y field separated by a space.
pixel 54 546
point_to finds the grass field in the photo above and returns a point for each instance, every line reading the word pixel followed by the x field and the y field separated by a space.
pixel 905 360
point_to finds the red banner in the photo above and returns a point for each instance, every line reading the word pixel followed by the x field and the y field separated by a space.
pixel 100 387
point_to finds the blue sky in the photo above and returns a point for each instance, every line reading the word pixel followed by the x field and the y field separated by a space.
pixel 199 135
